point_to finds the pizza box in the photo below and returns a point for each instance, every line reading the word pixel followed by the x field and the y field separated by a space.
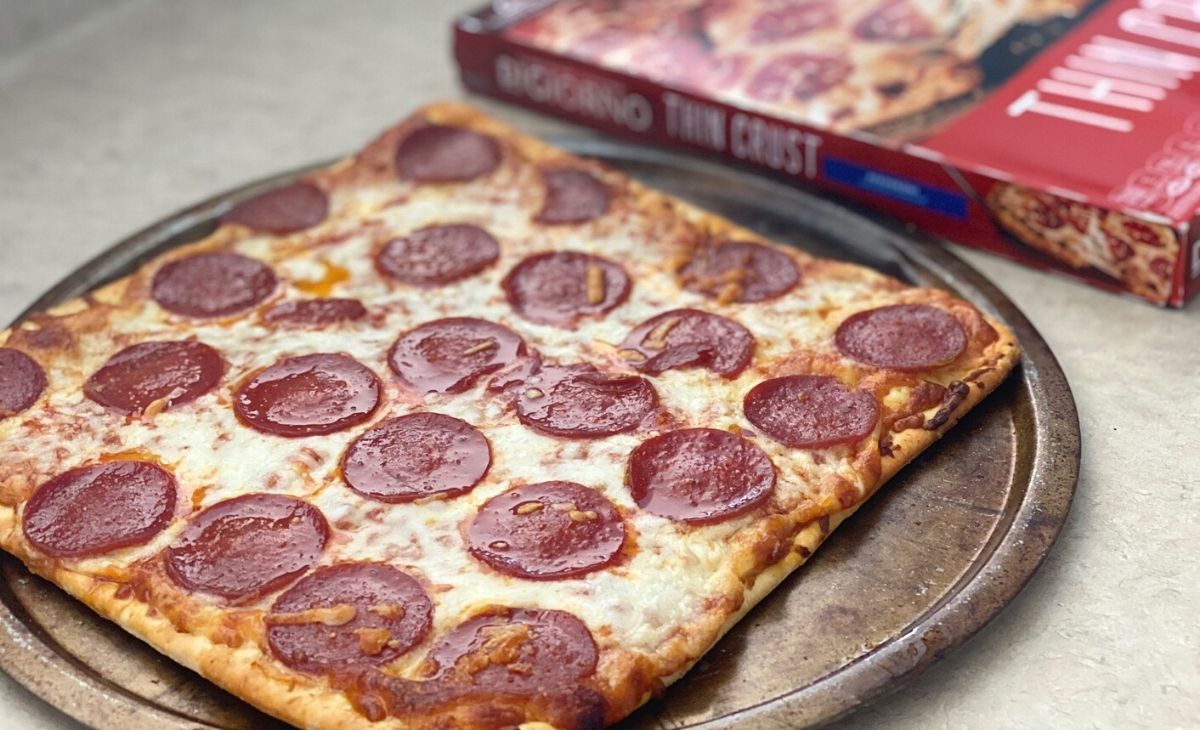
pixel 1064 134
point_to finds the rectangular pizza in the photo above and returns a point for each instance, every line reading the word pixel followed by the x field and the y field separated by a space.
pixel 464 431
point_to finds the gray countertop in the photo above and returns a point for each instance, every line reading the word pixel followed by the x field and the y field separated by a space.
pixel 116 112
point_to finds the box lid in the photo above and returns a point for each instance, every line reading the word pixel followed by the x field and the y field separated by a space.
pixel 1096 101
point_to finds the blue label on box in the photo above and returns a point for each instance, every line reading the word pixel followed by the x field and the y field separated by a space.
pixel 908 191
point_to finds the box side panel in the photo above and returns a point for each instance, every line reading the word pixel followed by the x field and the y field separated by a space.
pixel 1190 266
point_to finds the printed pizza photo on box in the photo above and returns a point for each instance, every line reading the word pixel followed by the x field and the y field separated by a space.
pixel 1138 254
pixel 896 67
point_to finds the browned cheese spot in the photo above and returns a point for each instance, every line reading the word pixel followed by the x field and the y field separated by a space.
pixel 528 508
pixel 595 284
pixel 657 339
pixel 729 293
pixel 373 641
pixel 480 347
pixel 339 615
pixel 501 647
pixel 388 610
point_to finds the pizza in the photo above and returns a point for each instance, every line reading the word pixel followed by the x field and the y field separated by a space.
pixel 464 431
pixel 1137 253
pixel 835 64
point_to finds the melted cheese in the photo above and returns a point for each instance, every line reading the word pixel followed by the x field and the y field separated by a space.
pixel 636 605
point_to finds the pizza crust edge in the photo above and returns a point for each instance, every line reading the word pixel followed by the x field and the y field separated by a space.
pixel 238 671
pixel 909 444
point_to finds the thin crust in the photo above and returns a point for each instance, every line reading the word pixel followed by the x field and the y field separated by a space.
pixel 227 646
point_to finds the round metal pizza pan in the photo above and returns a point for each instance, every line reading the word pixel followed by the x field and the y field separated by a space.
pixel 918 570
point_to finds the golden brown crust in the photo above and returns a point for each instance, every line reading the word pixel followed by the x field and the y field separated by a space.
pixel 1001 357
pixel 232 653
pixel 241 671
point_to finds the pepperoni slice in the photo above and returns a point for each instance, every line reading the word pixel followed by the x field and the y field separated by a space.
pixel 580 402
pixel 559 288
pixel 717 73
pixel 439 154
pixel 792 21
pixel 449 355
pixel 798 76
pixel 739 271
pixel 212 284
pixel 668 60
pixel 1048 212
pixel 1162 268
pixel 22 381
pixel 283 210
pixel 246 547
pixel 349 614
pixel 895 20
pixel 1142 233
pixel 908 337
pixel 811 411
pixel 94 510
pixel 572 196
pixel 1079 219
pixel 307 395
pixel 1118 249
pixel 415 456
pixel 517 651
pixel 438 255
pixel 699 475
pixel 684 338
pixel 315 312
pixel 547 530
pixel 169 373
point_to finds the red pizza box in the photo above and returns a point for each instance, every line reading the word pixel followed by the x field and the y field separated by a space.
pixel 1061 133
